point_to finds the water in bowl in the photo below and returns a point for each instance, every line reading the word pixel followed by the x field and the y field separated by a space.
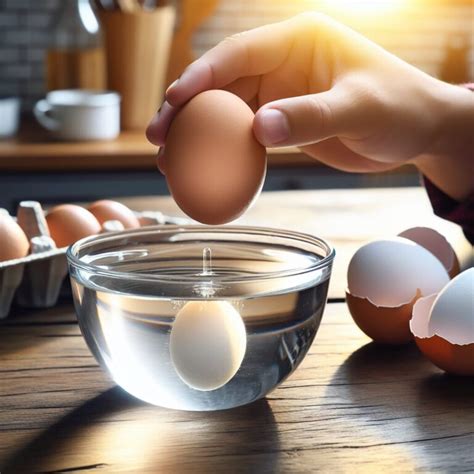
pixel 128 330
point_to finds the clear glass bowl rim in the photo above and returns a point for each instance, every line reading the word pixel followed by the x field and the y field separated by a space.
pixel 292 236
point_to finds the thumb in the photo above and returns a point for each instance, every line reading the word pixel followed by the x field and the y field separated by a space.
pixel 305 119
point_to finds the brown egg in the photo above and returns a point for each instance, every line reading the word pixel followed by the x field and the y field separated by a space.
pixel 14 243
pixel 386 325
pixel 68 223
pixel 106 210
pixel 214 165
pixel 443 325
pixel 452 358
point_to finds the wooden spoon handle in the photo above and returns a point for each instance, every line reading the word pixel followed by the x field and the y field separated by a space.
pixel 192 15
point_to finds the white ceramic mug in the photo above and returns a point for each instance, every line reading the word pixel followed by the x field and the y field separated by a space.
pixel 76 114
pixel 9 116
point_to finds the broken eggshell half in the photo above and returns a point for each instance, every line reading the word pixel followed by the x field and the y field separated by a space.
pixel 435 243
pixel 385 279
pixel 443 325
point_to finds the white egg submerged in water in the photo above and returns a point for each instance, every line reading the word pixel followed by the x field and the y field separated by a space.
pixel 207 344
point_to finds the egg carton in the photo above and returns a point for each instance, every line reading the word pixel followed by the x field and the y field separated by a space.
pixel 35 281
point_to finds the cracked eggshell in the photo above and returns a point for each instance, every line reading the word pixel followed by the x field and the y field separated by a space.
pixel 385 278
pixel 389 272
pixel 435 243
pixel 443 325
pixel 382 324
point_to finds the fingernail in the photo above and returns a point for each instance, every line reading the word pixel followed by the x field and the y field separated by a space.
pixel 275 126
pixel 160 160
pixel 171 86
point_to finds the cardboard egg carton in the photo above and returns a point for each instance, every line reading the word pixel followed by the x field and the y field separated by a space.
pixel 35 281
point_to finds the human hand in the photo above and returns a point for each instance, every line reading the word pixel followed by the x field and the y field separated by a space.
pixel 319 85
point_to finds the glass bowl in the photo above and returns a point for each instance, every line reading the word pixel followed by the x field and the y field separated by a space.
pixel 200 318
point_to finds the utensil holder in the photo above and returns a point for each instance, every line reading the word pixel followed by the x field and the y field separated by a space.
pixel 137 49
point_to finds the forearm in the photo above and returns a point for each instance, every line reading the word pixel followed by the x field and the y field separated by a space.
pixel 449 161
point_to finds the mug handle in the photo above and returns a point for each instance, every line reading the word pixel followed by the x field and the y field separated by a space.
pixel 42 111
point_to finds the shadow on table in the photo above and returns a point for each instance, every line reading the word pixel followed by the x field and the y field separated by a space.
pixel 26 328
pixel 115 431
pixel 413 399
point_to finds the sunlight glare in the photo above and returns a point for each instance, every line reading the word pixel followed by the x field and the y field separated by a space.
pixel 364 7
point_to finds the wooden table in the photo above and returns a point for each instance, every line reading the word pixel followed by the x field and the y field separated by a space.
pixel 352 406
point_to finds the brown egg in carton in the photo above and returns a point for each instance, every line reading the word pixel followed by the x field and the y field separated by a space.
pixel 35 280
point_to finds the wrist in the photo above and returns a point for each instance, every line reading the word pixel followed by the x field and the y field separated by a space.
pixel 447 161
pixel 455 108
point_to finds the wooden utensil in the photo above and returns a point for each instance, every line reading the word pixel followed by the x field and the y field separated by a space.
pixel 192 15
pixel 128 6
pixel 137 46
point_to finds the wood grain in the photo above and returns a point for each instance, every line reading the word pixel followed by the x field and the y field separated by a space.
pixel 350 407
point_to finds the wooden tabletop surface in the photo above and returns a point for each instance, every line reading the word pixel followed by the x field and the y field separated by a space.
pixel 352 406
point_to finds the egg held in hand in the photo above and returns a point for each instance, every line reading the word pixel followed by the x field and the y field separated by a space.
pixel 207 344
pixel 214 166
pixel 13 241
pixel 68 223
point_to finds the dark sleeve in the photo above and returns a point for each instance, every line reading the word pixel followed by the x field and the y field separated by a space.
pixel 444 206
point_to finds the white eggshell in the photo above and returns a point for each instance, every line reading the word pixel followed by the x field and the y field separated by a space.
pixel 389 272
pixel 452 316
pixel 433 241
pixel 208 343
pixel 421 316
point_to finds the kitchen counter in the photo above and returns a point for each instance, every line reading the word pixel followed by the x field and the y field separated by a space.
pixel 34 167
pixel 33 150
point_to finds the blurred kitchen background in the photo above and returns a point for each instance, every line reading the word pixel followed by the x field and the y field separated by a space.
pixel 434 35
